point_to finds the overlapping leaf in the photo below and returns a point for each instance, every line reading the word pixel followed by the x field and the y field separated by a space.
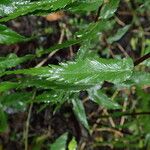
pixel 101 98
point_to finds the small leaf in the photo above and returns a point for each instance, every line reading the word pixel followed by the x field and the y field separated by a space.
pixel 72 144
pixel 60 143
pixel 79 111
pixel 109 9
pixel 101 98
pixel 92 71
pixel 120 33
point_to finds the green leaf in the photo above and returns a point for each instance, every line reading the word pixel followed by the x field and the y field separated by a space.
pixel 72 144
pixel 39 83
pixel 146 51
pixel 109 9
pixel 120 33
pixel 79 111
pixel 101 98
pixel 11 61
pixel 3 121
pixel 8 36
pixel 22 8
pixel 92 71
pixel 60 143
pixel 88 72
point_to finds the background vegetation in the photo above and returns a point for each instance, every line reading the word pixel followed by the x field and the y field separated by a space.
pixel 74 74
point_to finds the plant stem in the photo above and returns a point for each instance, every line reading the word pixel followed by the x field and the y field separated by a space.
pixel 98 13
pixel 27 127
pixel 126 114
pixel 26 132
pixel 141 59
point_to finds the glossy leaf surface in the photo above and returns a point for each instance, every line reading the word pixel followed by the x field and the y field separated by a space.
pixel 88 72
pixel 92 71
